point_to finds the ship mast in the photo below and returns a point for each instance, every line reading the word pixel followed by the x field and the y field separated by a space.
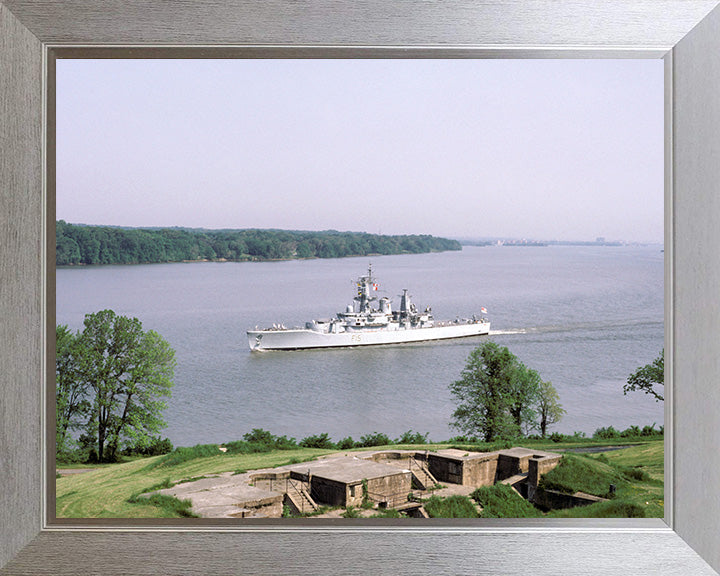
pixel 365 286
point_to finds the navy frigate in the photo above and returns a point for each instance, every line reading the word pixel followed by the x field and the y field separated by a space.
pixel 363 325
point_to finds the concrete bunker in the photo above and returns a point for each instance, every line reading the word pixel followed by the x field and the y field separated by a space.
pixel 487 468
pixel 383 479
pixel 349 481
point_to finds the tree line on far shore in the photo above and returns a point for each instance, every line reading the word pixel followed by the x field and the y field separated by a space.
pixel 76 244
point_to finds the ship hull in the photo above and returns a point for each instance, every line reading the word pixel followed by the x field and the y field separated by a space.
pixel 299 339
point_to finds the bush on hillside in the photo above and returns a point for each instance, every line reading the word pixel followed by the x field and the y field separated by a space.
pixel 411 437
pixel 347 443
pixel 501 501
pixel 450 507
pixel 374 439
pixel 317 441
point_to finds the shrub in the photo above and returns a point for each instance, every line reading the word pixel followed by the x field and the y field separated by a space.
pixel 259 436
pixel 651 431
pixel 156 447
pixel 411 437
pixel 285 443
pixel 575 437
pixel 263 437
pixel 501 501
pixel 630 432
pixel 450 507
pixel 463 439
pixel 374 439
pixel 317 441
pixel 346 443
pixel 350 512
pixel 259 440
pixel 606 433
pixel 70 457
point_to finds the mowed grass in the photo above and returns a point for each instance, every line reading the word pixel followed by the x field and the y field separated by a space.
pixel 648 457
pixel 105 492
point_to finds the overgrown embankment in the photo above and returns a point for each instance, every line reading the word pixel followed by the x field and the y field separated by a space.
pixel 635 473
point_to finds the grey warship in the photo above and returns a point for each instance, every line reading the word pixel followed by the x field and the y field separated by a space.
pixel 362 325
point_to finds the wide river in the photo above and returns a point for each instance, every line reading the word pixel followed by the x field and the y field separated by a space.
pixel 584 317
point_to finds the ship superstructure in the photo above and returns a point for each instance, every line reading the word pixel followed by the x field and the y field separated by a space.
pixel 363 325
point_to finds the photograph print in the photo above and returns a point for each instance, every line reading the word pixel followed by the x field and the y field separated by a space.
pixel 367 288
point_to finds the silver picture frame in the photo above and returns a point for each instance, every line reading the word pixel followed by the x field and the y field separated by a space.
pixel 685 33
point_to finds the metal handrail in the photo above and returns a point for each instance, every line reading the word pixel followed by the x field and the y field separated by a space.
pixel 420 467
pixel 391 500
pixel 302 494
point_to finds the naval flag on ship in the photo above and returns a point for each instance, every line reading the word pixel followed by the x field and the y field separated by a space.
pixel 375 287
pixel 483 310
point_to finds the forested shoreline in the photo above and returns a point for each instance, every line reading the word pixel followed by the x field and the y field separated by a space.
pixel 80 244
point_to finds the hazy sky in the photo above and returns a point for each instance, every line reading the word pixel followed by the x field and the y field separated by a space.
pixel 545 149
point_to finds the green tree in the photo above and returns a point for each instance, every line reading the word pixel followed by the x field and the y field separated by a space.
pixel 549 409
pixel 71 405
pixel 129 372
pixel 522 395
pixel 648 377
pixel 496 394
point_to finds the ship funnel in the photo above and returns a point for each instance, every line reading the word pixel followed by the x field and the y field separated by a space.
pixel 385 306
pixel 405 302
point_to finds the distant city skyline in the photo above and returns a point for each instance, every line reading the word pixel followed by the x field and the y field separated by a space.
pixel 539 149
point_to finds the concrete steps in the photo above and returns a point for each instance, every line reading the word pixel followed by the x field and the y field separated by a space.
pixel 514 482
pixel 422 479
pixel 299 499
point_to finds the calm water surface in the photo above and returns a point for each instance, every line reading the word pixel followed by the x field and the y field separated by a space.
pixel 583 317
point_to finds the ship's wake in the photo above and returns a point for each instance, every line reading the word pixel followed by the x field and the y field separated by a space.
pixel 505 332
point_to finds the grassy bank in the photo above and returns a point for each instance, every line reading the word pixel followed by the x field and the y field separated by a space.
pixel 106 492
pixel 637 472
pixel 110 491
